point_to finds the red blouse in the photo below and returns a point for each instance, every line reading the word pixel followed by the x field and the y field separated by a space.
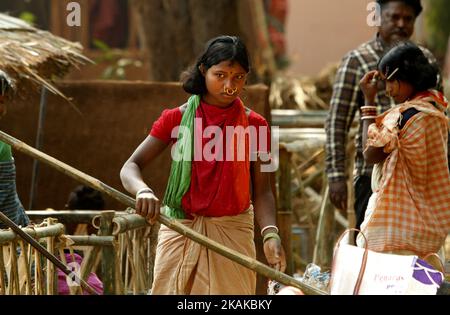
pixel 227 199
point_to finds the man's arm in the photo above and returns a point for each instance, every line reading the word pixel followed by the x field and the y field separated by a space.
pixel 343 106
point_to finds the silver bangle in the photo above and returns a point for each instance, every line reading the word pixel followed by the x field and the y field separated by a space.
pixel 146 189
pixel 269 227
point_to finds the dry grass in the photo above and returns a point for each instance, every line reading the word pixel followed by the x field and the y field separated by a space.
pixel 33 58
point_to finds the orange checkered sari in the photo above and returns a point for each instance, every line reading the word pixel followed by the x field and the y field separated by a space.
pixel 412 208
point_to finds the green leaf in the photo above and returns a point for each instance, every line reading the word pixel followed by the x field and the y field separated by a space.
pixel 28 17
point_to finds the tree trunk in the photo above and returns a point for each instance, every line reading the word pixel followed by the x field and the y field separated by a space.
pixel 174 33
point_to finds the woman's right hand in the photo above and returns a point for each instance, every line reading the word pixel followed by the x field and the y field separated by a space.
pixel 148 205
pixel 369 86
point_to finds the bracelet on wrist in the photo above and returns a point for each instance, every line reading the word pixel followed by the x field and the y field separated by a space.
pixel 269 227
pixel 369 113
pixel 271 235
pixel 142 190
pixel 371 107
pixel 368 117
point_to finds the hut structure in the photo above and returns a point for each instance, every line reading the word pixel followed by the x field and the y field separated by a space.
pixel 33 58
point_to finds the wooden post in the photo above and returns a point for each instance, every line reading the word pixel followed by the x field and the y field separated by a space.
pixel 120 288
pixel 108 255
pixel 25 262
pixel 52 284
pixel 14 286
pixel 38 274
pixel 323 248
pixel 284 214
pixel 153 242
pixel 2 273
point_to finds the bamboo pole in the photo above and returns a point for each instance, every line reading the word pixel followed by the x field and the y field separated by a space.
pixel 288 135
pixel 284 213
pixel 136 276
pixel 291 118
pixel 127 222
pixel 91 240
pixel 127 262
pixel 123 261
pixel 141 258
pixel 152 244
pixel 52 287
pixel 39 141
pixel 311 161
pixel 325 233
pixel 7 236
pixel 68 216
pixel 132 269
pixel 311 178
pixel 13 274
pixel 38 272
pixel 2 272
pixel 108 258
pixel 173 224
pixel 119 282
pixel 25 258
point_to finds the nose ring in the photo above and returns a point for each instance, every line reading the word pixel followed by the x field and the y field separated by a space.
pixel 230 91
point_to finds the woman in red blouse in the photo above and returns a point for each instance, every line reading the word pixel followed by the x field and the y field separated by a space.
pixel 216 184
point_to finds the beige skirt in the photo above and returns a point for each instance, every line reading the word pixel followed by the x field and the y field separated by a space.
pixel 184 267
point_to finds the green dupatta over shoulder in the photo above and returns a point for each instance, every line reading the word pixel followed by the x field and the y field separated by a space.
pixel 180 171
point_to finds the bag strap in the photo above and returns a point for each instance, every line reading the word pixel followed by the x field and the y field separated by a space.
pixel 363 262
pixel 438 258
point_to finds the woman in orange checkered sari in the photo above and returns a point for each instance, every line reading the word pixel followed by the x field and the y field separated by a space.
pixel 409 211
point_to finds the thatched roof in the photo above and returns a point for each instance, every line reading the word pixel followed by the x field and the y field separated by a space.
pixel 32 57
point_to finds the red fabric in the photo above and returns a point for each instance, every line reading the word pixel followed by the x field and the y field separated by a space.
pixel 108 23
pixel 92 280
pixel 218 188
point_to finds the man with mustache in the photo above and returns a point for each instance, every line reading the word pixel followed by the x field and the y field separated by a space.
pixel 397 24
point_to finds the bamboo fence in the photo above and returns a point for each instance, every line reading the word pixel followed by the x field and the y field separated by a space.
pixel 245 261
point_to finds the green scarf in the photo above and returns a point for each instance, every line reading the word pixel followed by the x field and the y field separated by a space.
pixel 180 172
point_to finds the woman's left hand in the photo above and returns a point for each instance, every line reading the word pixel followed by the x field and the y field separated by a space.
pixel 369 86
pixel 275 254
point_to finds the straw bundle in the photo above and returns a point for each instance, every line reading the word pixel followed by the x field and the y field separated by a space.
pixel 33 58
